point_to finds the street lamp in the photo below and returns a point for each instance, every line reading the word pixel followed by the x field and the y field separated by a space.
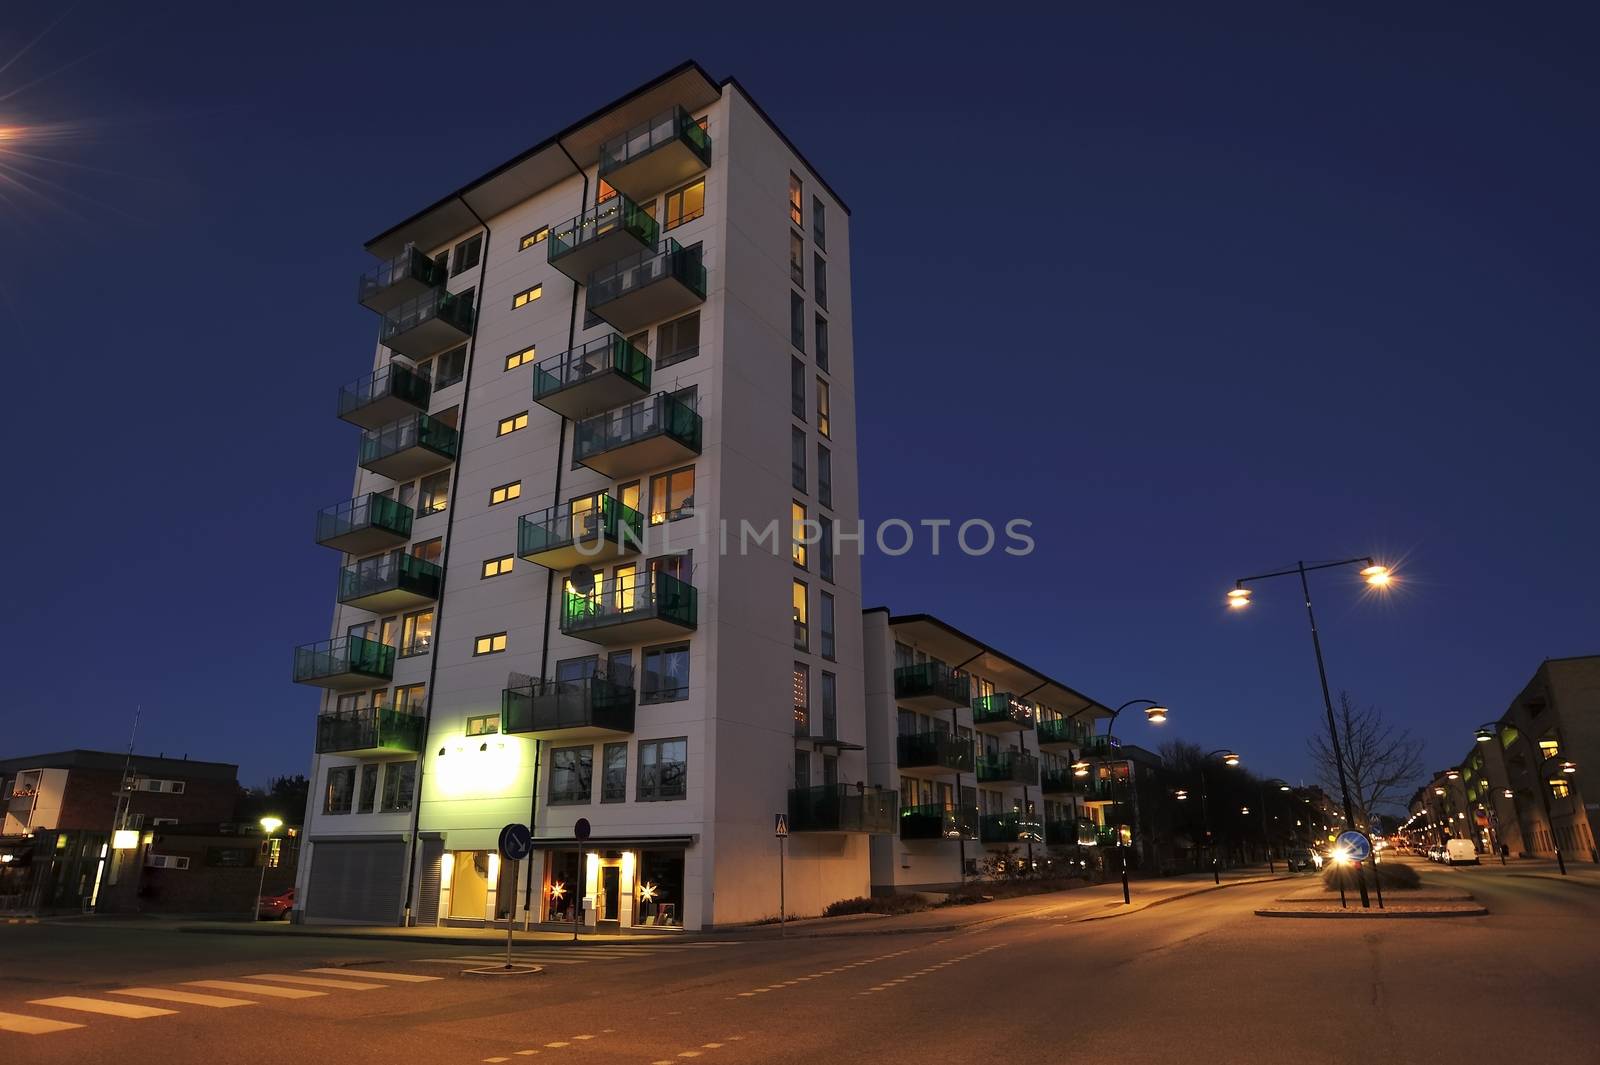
pixel 1486 732
pixel 1228 759
pixel 1156 714
pixel 269 825
pixel 1266 838
pixel 1377 576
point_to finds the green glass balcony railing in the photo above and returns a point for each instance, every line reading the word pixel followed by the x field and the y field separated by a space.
pixel 1101 746
pixel 1010 828
pixel 427 323
pixel 393 573
pixel 591 705
pixel 610 367
pixel 1060 782
pixel 618 214
pixel 393 387
pixel 672 127
pixel 409 269
pixel 588 527
pixel 372 516
pixel 1107 835
pixel 344 657
pixel 630 597
pixel 938 821
pixel 417 431
pixel 843 808
pixel 369 729
pixel 1001 708
pixel 1103 790
pixel 1013 767
pixel 934 750
pixel 660 415
pixel 1062 730
pixel 930 683
pixel 667 260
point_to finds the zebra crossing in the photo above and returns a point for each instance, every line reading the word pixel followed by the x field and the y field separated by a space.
pixel 581 954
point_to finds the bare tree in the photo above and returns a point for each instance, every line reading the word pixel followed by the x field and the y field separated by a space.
pixel 1382 762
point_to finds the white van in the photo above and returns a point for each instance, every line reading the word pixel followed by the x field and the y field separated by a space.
pixel 1460 852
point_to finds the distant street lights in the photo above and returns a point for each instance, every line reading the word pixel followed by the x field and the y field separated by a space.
pixel 1485 733
pixel 269 825
pixel 1156 714
pixel 1377 576
pixel 1266 837
pixel 1230 760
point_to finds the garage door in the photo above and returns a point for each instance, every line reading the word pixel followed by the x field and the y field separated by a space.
pixel 356 881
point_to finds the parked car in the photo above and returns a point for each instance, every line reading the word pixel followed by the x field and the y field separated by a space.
pixel 1302 859
pixel 1460 852
pixel 1434 853
pixel 274 907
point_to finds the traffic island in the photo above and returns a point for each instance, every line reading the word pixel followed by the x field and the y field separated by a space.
pixel 1400 904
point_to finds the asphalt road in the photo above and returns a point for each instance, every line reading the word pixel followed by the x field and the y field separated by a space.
pixel 1057 978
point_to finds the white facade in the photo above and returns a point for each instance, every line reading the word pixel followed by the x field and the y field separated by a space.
pixel 706 850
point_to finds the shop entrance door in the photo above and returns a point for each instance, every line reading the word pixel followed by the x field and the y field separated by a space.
pixel 610 889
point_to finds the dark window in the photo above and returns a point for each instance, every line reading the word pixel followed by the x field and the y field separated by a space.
pixel 797 259
pixel 467 254
pixel 341 790
pixel 571 775
pixel 824 476
pixel 819 224
pixel 797 388
pixel 826 622
pixel 663 770
pixel 369 788
pixel 399 781
pixel 825 566
pixel 614 773
pixel 797 320
pixel 797 459
pixel 449 367
pixel 678 340
pixel 822 342
pixel 666 674
pixel 819 281
pixel 830 706
pixel 802 769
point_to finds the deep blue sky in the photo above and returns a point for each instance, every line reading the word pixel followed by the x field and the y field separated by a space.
pixel 1198 294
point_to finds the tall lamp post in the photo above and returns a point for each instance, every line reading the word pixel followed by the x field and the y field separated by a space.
pixel 1230 760
pixel 1377 576
pixel 1266 837
pixel 1485 733
pixel 269 825
pixel 1155 713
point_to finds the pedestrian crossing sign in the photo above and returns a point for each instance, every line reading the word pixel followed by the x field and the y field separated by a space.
pixel 780 827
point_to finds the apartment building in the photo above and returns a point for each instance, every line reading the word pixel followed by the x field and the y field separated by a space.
pixel 597 365
pixel 992 760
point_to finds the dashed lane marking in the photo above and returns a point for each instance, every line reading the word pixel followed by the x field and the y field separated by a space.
pixel 256 989
pixel 405 978
pixel 16 1022
pixel 558 1044
pixel 316 981
pixel 98 1005
pixel 187 998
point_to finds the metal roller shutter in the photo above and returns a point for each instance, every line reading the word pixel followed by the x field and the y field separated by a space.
pixel 356 881
pixel 428 889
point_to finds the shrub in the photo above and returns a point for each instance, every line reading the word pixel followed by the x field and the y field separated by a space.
pixel 887 904
pixel 1392 876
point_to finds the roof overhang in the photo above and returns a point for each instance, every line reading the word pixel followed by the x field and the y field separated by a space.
pixel 612 843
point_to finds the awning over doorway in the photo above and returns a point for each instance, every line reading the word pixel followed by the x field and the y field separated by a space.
pixel 613 843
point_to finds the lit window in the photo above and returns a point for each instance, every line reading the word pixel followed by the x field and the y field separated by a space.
pixel 671 495
pixel 494 567
pixel 797 513
pixel 802 699
pixel 493 643
pixel 1559 788
pixel 536 237
pixel 505 492
pixel 526 296
pixel 685 205
pixel 513 423
pixel 483 725
pixel 517 358
pixel 824 419
pixel 1549 748
pixel 802 634
pixel 795 214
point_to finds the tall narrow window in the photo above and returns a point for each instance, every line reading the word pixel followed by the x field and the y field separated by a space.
pixel 822 342
pixel 416 633
pixel 399 782
pixel 663 770
pixel 826 622
pixel 824 476
pixel 830 706
pixel 614 773
pixel 671 495
pixel 795 214
pixel 571 775
pixel 819 280
pixel 797 459
pixel 802 631
pixel 797 259
pixel 824 414
pixel 797 522
pixel 797 388
pixel 802 699
pixel 797 320
pixel 685 204
pixel 819 224
pixel 825 546
pixel 467 254
pixel 678 339
pixel 433 493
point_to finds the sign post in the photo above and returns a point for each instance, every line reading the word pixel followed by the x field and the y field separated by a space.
pixel 580 832
pixel 515 844
pixel 1358 849
pixel 780 828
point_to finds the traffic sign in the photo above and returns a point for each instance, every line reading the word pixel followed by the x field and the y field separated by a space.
pixel 780 826
pixel 580 830
pixel 1356 845
pixel 515 842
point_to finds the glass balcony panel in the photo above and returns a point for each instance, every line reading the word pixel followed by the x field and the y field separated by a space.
pixel 586 531
pixel 656 155
pixel 396 581
pixel 427 324
pixel 931 686
pixel 405 277
pixel 369 731
pixel 630 608
pixel 364 524
pixel 1061 732
pixel 938 822
pixel 1001 712
pixel 1008 767
pixel 1010 828
pixel 408 448
pixel 843 808
pixel 663 430
pixel 933 754
pixel 343 662
pixel 597 707
pixel 603 234
pixel 599 376
pixel 649 287
pixel 388 394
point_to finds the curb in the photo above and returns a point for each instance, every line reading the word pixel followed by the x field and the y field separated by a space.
pixel 1185 895
pixel 1558 878
pixel 1374 915
pixel 388 937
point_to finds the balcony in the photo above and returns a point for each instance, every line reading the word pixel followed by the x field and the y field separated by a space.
pixel 593 708
pixel 1008 767
pixel 427 324
pixel 1060 782
pixel 933 754
pixel 586 531
pixel 391 393
pixel 1061 732
pixel 1009 828
pixel 1073 832
pixel 937 821
pixel 931 686
pixel 344 662
pixel 654 156
pixel 1102 791
pixel 603 234
pixel 842 808
pixel 1101 747
pixel 390 582
pixel 369 730
pixel 602 375
pixel 654 285
pixel 364 524
pixel 405 277
pixel 409 448
pixel 631 608
pixel 1000 712
pixel 661 430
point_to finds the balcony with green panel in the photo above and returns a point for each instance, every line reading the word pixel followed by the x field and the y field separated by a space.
pixel 365 524
pixel 1104 790
pixel 1008 767
pixel 602 234
pixel 587 531
pixel 1009 828
pixel 344 663
pixel 369 731
pixel 1001 712
pixel 407 276
pixel 388 394
pixel 931 685
pixel 589 708
pixel 843 808
pixel 396 581
pixel 939 822
pixel 657 155
pixel 406 449
pixel 630 608
pixel 658 431
pixel 1101 746
pixel 1060 782
pixel 1060 733
pixel 1070 832
pixel 598 376
pixel 932 754
pixel 654 285
pixel 427 324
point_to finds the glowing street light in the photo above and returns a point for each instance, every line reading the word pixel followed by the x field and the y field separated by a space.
pixel 269 825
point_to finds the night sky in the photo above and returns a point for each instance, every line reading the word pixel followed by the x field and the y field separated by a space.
pixel 1199 294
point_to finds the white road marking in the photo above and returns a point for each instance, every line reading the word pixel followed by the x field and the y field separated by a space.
pixel 16 1022
pixel 316 981
pixel 554 1045
pixel 405 978
pixel 187 998
pixel 256 989
pixel 711 1046
pixel 97 1005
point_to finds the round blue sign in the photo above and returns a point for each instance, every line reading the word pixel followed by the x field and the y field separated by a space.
pixel 1356 845
pixel 516 842
pixel 580 829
